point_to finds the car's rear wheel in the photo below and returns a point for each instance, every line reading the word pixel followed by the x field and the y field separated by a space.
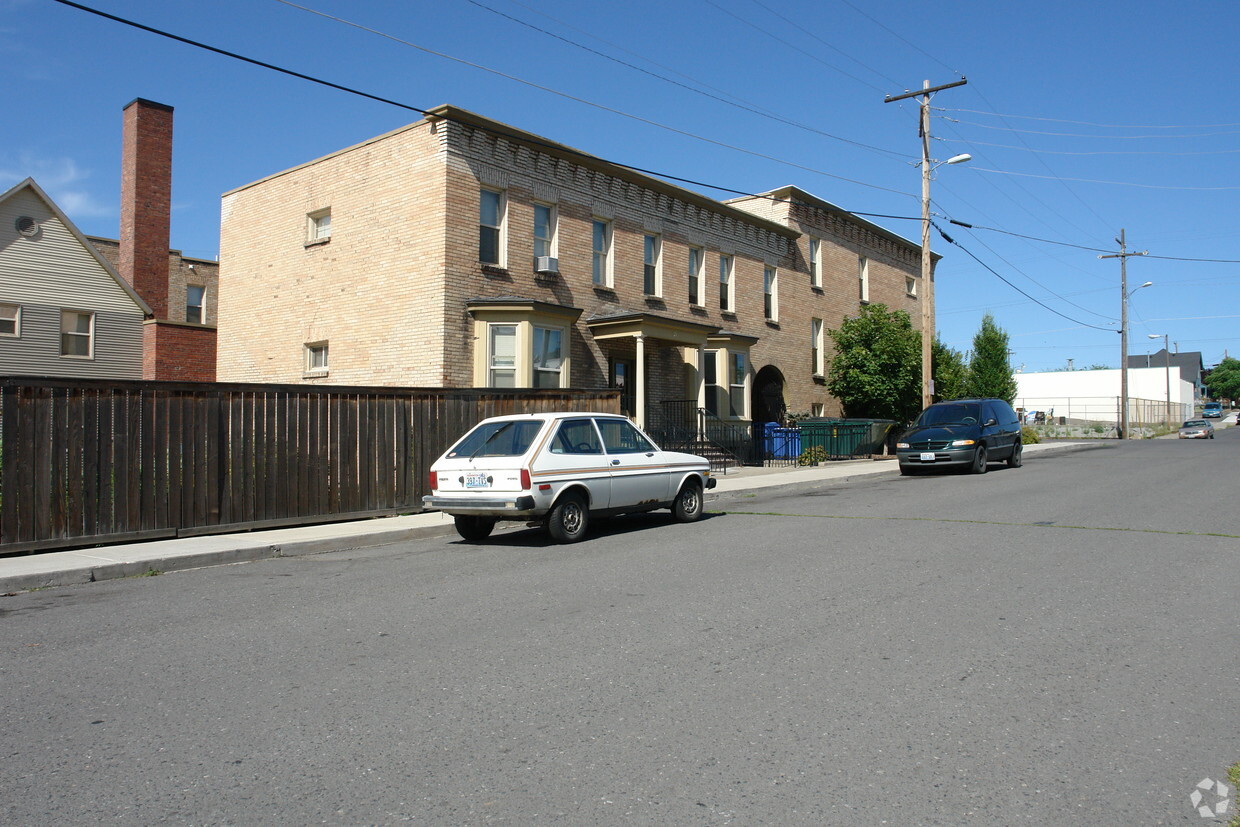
pixel 568 519
pixel 687 506
pixel 474 529
pixel 1017 458
pixel 979 460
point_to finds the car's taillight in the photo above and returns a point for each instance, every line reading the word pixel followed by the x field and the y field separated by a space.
pixel 434 480
pixel 525 479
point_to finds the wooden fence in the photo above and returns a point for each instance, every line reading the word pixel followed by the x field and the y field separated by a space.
pixel 84 461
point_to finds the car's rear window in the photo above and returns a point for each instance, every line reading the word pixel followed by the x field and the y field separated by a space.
pixel 498 439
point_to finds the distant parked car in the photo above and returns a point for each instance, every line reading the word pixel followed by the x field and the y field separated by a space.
pixel 1213 410
pixel 561 469
pixel 964 433
pixel 1196 429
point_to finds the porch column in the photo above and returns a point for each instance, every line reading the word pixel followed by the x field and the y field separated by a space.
pixel 700 395
pixel 640 402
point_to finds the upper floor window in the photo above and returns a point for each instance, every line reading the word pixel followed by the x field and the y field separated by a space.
pixel 652 264
pixel 77 334
pixel 11 320
pixel 815 262
pixel 910 285
pixel 695 275
pixel 491 227
pixel 548 357
pixel 770 294
pixel 544 230
pixel 319 226
pixel 816 356
pixel 863 278
pixel 316 359
pixel 727 297
pixel 601 246
pixel 195 303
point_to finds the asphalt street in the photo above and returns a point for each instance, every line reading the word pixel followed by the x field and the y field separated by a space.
pixel 1055 644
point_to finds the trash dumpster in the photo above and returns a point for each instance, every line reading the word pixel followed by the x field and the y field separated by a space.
pixel 844 438
pixel 779 442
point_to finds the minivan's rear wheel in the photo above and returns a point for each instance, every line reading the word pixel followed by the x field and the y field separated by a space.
pixel 979 460
pixel 474 529
pixel 568 519
pixel 1017 457
pixel 687 506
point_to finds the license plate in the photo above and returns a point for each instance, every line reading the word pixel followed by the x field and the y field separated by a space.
pixel 927 456
pixel 475 479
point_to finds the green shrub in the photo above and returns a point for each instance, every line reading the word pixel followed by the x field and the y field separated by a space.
pixel 1028 436
pixel 812 455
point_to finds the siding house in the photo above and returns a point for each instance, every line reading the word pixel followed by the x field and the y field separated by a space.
pixel 64 310
pixel 461 252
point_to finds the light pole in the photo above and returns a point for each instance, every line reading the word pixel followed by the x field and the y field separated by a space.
pixel 927 290
pixel 1167 365
pixel 1123 255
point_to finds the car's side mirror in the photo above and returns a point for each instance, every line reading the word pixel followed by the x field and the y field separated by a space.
pixel 991 421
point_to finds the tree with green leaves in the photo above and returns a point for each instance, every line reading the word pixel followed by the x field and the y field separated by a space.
pixel 990 370
pixel 950 369
pixel 876 371
pixel 1224 379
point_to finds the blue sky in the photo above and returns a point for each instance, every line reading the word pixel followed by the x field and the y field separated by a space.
pixel 1082 118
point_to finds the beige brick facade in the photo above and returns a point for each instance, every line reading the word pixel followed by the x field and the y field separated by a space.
pixel 398 295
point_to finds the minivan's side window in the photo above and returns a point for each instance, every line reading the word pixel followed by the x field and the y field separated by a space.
pixel 620 437
pixel 576 436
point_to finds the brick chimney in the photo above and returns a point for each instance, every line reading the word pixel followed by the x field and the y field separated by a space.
pixel 146 201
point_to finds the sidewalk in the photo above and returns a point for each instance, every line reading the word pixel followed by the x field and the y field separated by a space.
pixel 66 568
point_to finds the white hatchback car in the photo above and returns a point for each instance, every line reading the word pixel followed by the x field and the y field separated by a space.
pixel 560 469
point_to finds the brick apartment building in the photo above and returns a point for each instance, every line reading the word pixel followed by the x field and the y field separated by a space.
pixel 461 252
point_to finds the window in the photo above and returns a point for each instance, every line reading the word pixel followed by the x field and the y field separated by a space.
pixel 863 278
pixel 818 409
pixel 726 294
pixel 620 437
pixel 710 371
pixel 11 320
pixel 602 253
pixel 316 359
pixel 490 227
pixel 548 357
pixel 816 346
pixel 195 303
pixel 77 334
pixel 544 230
pixel 576 436
pixel 652 257
pixel 910 285
pixel 502 356
pixel 815 263
pixel 770 297
pixel 319 226
pixel 736 385
pixel 695 275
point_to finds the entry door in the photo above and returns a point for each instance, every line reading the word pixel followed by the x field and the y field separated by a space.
pixel 623 378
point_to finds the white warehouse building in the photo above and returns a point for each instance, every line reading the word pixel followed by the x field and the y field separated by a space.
pixel 1080 396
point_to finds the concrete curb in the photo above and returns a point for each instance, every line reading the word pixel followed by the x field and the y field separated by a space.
pixel 78 566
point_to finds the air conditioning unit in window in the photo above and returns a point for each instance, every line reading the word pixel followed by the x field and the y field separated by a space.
pixel 546 265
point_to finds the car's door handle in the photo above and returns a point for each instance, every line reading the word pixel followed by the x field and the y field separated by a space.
pixel 615 462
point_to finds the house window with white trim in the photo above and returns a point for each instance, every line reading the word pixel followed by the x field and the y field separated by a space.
pixel 544 230
pixel 548 357
pixel 816 354
pixel 77 334
pixel 652 265
pixel 316 359
pixel 910 286
pixel 696 254
pixel 195 303
pixel 727 296
pixel 710 377
pixel 601 248
pixel 502 355
pixel 863 278
pixel 491 227
pixel 770 294
pixel 319 226
pixel 737 374
pixel 815 262
pixel 11 320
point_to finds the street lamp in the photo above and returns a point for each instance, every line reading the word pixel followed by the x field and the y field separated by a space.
pixel 1123 349
pixel 1167 365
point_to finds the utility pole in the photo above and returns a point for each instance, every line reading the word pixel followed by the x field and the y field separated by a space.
pixel 1123 255
pixel 927 290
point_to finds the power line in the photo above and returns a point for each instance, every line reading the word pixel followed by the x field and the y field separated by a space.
pixel 1087 135
pixel 1098 181
pixel 1100 125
